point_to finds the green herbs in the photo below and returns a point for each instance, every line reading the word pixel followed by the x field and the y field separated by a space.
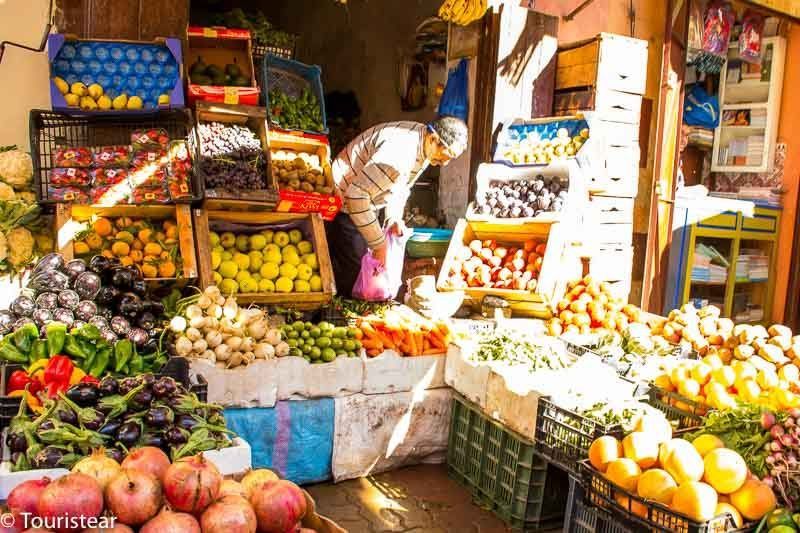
pixel 519 350
pixel 261 30
pixel 300 113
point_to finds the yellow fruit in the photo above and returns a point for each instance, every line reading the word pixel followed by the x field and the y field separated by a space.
pixel 266 285
pixel 724 507
pixel 701 373
pixel 624 473
pixel 95 90
pixel 166 269
pixel 80 248
pixel 78 89
pixel 656 425
pixel 304 272
pixel 679 374
pixel 256 261
pixel 216 259
pixel 241 260
pixel 745 370
pixel 134 102
pixel 103 227
pixel 163 99
pixel 707 443
pixel 126 261
pixel 152 248
pixel 291 258
pixel 228 269
pixel 120 248
pixel 304 247
pixel 281 238
pixel 272 254
pixel 258 242
pixel 270 271
pixel 288 271
pixel 269 235
pixel 682 461
pixel 104 103
pixel 284 285
pixel 725 376
pixel 120 102
pixel 311 260
pixel 664 382
pixel 641 447
pixel 248 285
pixel 754 499
pixel 217 278
pixel 126 236
pixel 87 104
pixel 229 286
pixel 696 500
pixel 767 379
pixel 604 450
pixel 713 360
pixel 316 283
pixel 61 85
pixel 689 388
pixel 725 470
pixel 301 285
pixel 72 100
pixel 789 373
pixel 656 484
pixel 748 390
pixel 295 236
pixel 149 270
pixel 241 276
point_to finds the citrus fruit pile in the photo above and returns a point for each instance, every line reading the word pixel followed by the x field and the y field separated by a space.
pixel 268 261
pixel 321 343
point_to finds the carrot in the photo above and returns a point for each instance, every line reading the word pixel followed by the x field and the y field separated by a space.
pixel 412 345
pixel 374 352
pixel 426 345
pixel 418 341
pixel 437 339
pixel 433 351
pixel 387 341
pixel 372 344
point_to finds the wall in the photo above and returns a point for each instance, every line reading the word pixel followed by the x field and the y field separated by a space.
pixel 23 73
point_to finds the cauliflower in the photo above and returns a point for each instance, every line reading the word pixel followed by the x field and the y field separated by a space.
pixel 16 168
pixel 6 192
pixel 28 197
pixel 20 246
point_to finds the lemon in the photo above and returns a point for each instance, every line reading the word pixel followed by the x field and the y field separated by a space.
pixel 288 271
pixel 281 238
pixel 269 235
pixel 229 286
pixel 270 271
pixel 216 259
pixel 163 99
pixel 290 249
pixel 134 102
pixel 63 86
pixel 304 272
pixel 219 249
pixel 227 256
pixel 266 285
pixel 213 238
pixel 120 102
pixel 256 276
pixel 258 241
pixel 316 283
pixel 72 99
pixel 228 269
pixel 88 104
pixel 284 285
pixel 304 247
pixel 243 243
pixel 217 278
pixel 227 240
pixel 241 276
pixel 78 88
pixel 311 260
pixel 302 286
pixel 104 102
pixel 95 90
pixel 241 260
pixel 256 260
pixel 295 236
pixel 272 254
pixel 249 285
pixel 291 258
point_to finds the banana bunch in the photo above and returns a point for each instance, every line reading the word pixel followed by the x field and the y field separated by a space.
pixel 463 12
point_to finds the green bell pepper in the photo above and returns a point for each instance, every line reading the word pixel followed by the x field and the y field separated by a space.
pixel 10 353
pixel 56 336
pixel 100 362
pixel 123 351
pixel 39 350
pixel 137 365
pixel 73 347
pixel 23 338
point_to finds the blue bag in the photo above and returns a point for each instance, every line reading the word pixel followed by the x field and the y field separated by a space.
pixel 454 100
pixel 700 108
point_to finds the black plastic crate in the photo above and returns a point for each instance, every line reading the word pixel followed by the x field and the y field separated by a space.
pixel 503 472
pixel 683 412
pixel 50 130
pixel 260 50
pixel 563 437
pixel 178 369
pixel 582 517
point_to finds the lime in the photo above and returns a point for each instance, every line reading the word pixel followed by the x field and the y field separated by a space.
pixel 292 343
pixel 307 358
pixel 341 353
pixel 305 334
pixel 315 352
pixel 292 334
pixel 328 355
pixel 357 344
pixel 306 349
pixel 295 352
pixel 309 325
pixel 349 345
pixel 337 344
pixel 325 326
pixel 298 326
pixel 779 517
pixel 339 332
pixel 351 354
pixel 315 332
pixel 310 341
pixel 351 332
pixel 323 342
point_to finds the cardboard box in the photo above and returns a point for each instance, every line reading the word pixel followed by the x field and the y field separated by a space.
pixel 221 46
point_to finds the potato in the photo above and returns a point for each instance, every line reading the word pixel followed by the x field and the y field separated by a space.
pixel 760 331
pixel 747 335
pixel 725 324
pixel 762 364
pixel 773 354
pixel 778 330
pixel 784 343
pixel 708 326
pixel 743 352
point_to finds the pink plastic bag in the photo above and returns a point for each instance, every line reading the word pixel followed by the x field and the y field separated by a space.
pixel 376 283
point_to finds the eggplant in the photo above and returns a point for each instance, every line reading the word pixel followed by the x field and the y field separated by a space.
pixel 116 454
pixel 136 274
pixel 64 316
pixel 110 428
pixel 176 436
pixel 52 261
pixel 46 426
pixel 121 278
pixel 128 384
pixel 84 394
pixel 75 268
pixel 159 416
pixel 47 300
pixel 68 416
pixel 148 378
pixel 16 457
pixel 106 313
pixel 186 422
pixel 107 295
pixel 86 310
pixel 49 457
pixel 108 335
pixel 164 386
pixel 87 285
pixel 107 386
pixel 68 299
pixel 153 439
pixel 139 287
pixel 49 281
pixel 42 317
pixel 129 305
pixel 99 264
pixel 97 423
pixel 78 324
pixel 138 336
pixel 143 398
pixel 99 321
pixel 157 308
pixel 128 433
pixel 16 442
pixel 147 320
pixel 23 306
pixel 120 325
pixel 151 346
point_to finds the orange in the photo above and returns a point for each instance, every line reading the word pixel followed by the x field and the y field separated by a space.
pixel 152 248
pixel 641 447
pixel 624 473
pixel 103 227
pixel 149 270
pixel 696 500
pixel 724 507
pixel 604 450
pixel 107 253
pixel 126 260
pixel 137 245
pixel 656 425
pixel 656 484
pixel 166 269
pixel 725 470
pixel 171 232
pixel 123 222
pixel 145 234
pixel 664 382
pixel 136 255
pixel 94 241
pixel 80 248
pixel 707 443
pixel 682 461
pixel 120 248
pixel 754 499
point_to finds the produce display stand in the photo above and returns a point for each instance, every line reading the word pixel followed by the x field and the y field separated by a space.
pixel 205 221
pixel 70 219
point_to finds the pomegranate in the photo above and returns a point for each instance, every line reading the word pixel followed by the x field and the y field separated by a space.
pixel 230 487
pixel 118 528
pixel 74 495
pixel 16 527
pixel 25 496
pixel 278 506
pixel 229 514
pixel 99 466
pixel 256 478
pixel 37 530
pixel 191 484
pixel 148 459
pixel 169 522
pixel 133 496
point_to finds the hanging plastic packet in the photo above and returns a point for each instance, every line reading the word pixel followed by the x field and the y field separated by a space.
pixel 750 38
pixel 719 21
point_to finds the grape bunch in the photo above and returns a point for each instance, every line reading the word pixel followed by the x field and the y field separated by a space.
pixel 522 198
pixel 231 157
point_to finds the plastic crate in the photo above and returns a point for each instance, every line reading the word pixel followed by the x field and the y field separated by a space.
pixel 50 130
pixel 563 437
pixel 680 410
pixel 647 515
pixel 503 471
pixel 582 517
pixel 428 242
pixel 260 51
pixel 292 77
pixel 178 369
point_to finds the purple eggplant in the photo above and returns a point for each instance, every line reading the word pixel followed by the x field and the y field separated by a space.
pixel 6 319
pixel 147 320
pixel 84 394
pixel 139 287
pixel 129 305
pixel 107 386
pixel 42 317
pixel 186 422
pixel 68 299
pixel 16 442
pixel 120 326
pixel 86 310
pixel 49 457
pixel 107 296
pixel 52 261
pixel 142 399
pixel 164 386
pixel 128 384
pixel 99 264
pixel 108 335
pixel 153 439
pixel 121 278
pixel 176 436
pixel 116 454
pixel 64 316
pixel 110 428
pixel 88 285
pixel 138 336
pixel 99 321
pixel 159 416
pixel 68 416
pixel 23 306
pixel 47 300
pixel 128 433
pixel 75 268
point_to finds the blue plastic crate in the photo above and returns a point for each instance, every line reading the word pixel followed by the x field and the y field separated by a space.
pixel 428 242
pixel 538 129
pixel 292 77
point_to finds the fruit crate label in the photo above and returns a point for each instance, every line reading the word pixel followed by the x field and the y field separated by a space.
pixel 231 95
pixel 209 32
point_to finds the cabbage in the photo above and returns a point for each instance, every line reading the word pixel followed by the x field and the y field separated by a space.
pixel 20 246
pixel 16 168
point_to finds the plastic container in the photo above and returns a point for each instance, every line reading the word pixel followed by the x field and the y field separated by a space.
pixel 292 77
pixel 677 408
pixel 51 131
pixel 582 517
pixel 503 471
pixel 260 51
pixel 564 437
pixel 428 242
pixel 538 132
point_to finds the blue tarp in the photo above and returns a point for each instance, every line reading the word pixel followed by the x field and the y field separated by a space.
pixel 294 438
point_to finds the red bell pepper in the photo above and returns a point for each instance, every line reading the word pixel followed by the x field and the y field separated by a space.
pixel 89 379
pixel 18 380
pixel 56 374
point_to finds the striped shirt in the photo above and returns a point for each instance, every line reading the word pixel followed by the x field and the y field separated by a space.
pixel 377 170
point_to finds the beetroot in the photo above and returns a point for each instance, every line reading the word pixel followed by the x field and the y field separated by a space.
pixel 229 514
pixel 74 495
pixel 25 496
pixel 191 484
pixel 169 522
pixel 279 505
pixel 148 459
pixel 134 497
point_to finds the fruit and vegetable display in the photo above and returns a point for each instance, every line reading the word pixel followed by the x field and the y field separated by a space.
pixel 150 247
pixel 231 156
pixel 489 264
pixel 404 331
pixel 301 112
pixel 95 98
pixel 319 343
pixel 262 31
pixel 700 480
pixel 264 262
pixel 522 198
pixel 541 148
pixel 300 171
pixel 229 75
pixel 214 328
pixel 518 348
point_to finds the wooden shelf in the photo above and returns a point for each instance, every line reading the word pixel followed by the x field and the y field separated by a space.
pixel 746 105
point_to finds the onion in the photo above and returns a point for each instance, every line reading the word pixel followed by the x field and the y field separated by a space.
pixel 169 522
pixel 148 459
pixel 133 496
pixel 99 466
pixel 177 324
pixel 776 446
pixel 74 495
pixel 230 514
pixel 279 505
pixel 256 478
pixel 776 431
pixel 230 487
pixel 789 423
pixel 191 484
pixel 767 420
pixel 24 497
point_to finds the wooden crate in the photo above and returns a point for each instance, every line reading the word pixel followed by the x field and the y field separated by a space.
pixel 315 232
pixel 607 234
pixel 550 287
pixel 608 105
pixel 252 117
pixel 70 220
pixel 611 263
pixel 608 62
pixel 609 210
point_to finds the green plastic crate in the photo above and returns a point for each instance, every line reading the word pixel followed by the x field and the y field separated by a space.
pixel 503 471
